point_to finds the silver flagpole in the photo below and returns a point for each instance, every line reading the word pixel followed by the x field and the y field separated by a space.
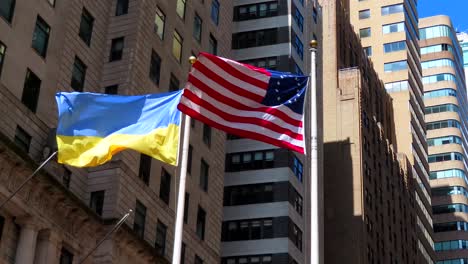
pixel 121 221
pixel 179 224
pixel 314 194
pixel 27 180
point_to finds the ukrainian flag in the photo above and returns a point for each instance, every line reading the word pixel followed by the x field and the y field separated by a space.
pixel 93 127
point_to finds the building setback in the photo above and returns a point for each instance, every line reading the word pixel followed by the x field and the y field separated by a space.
pixel 446 123
pixel 116 47
pixel 266 196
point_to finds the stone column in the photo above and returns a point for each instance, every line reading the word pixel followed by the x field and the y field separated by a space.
pixel 47 248
pixel 26 247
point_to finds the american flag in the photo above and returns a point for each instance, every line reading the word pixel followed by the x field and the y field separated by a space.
pixel 247 101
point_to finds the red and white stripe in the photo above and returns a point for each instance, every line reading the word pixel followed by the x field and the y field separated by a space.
pixel 227 95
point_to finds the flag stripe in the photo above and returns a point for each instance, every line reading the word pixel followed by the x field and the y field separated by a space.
pixel 237 87
pixel 256 76
pixel 242 116
pixel 237 101
pixel 240 132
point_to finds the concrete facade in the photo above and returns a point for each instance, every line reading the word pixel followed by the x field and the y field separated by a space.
pixel 121 179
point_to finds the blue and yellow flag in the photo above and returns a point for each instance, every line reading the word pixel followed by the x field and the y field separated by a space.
pixel 93 127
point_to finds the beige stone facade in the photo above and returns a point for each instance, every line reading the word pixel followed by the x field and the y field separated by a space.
pixel 76 226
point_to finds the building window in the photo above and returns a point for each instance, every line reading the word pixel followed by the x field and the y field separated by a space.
pixel 315 14
pixel 299 19
pixel 160 244
pixel 215 11
pixel 392 28
pixel 255 11
pixel 180 9
pixel 96 202
pixel 256 38
pixel 270 63
pixel 145 168
pixel 22 139
pixel 197 27
pixel 173 83
pixel 7 8
pixel 368 51
pixel 86 26
pixel 204 175
pixel 253 229
pixel 2 56
pixel 66 178
pixel 363 14
pixel 186 207
pixel 40 38
pixel 213 45
pixel 392 9
pixel 140 218
pixel 165 186
pixel 31 90
pixel 159 23
pixel 66 257
pixel 297 168
pixel 2 225
pixel 295 235
pixel 116 49
pixel 189 159
pixel 298 47
pixel 297 69
pixel 155 67
pixel 112 89
pixel 122 7
pixel 198 260
pixel 395 66
pixel 394 46
pixel 78 75
pixel 182 254
pixel 364 32
pixel 251 160
pixel 207 134
pixel 201 219
pixel 177 46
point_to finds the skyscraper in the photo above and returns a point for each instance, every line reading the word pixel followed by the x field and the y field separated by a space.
pixel 446 122
pixel 390 37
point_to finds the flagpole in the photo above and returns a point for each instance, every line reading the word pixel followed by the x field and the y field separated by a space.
pixel 314 194
pixel 179 224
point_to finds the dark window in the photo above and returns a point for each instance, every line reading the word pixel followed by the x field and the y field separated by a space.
pixel 66 178
pixel 198 260
pixel 31 90
pixel 213 45
pixel 207 134
pixel 2 225
pixel 204 174
pixel 368 51
pixel 86 26
pixel 160 244
pixel 299 47
pixel 180 8
pixel 299 19
pixel 140 218
pixel 255 160
pixel 22 139
pixel 116 49
pixel 155 67
pixel 182 254
pixel 255 11
pixel 253 229
pixel 295 235
pixel 159 22
pixel 215 11
pixel 364 32
pixel 40 38
pixel 197 27
pixel 270 63
pixel 186 207
pixel 7 8
pixel 96 202
pixel 201 219
pixel 145 168
pixel 122 7
pixel 173 83
pixel 2 56
pixel 255 38
pixel 177 41
pixel 78 75
pixel 165 187
pixel 363 14
pixel 189 159
pixel 112 89
pixel 297 168
pixel 66 257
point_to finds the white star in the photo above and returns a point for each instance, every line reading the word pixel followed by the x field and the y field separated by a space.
pixel 278 83
pixel 296 79
pixel 276 90
pixel 281 76
pixel 279 98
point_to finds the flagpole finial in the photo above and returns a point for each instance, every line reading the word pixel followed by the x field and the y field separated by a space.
pixel 192 59
pixel 313 44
